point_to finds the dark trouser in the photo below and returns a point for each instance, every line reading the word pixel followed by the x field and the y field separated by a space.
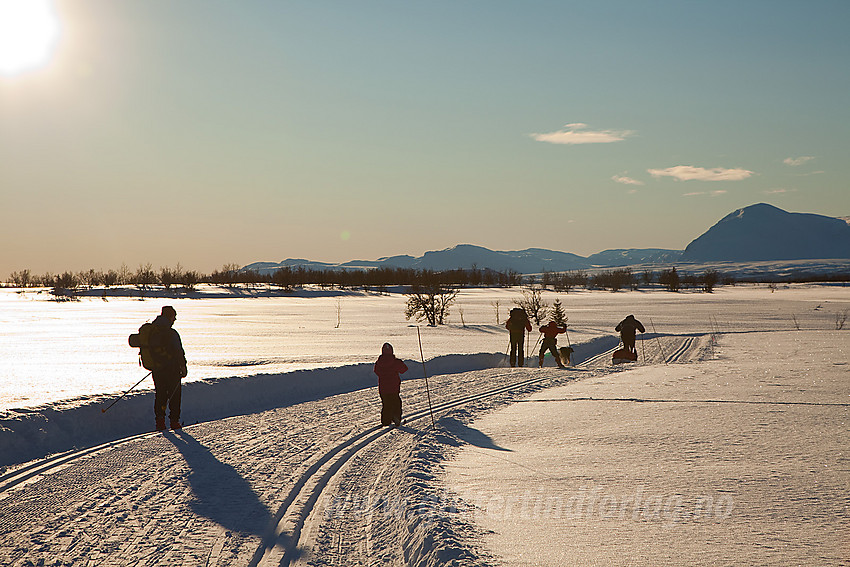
pixel 390 409
pixel 552 346
pixel 629 343
pixel 167 386
pixel 517 351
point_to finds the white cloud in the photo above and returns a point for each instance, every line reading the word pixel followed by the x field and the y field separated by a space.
pixel 709 193
pixel 626 180
pixel 778 191
pixel 576 133
pixel 691 173
pixel 794 162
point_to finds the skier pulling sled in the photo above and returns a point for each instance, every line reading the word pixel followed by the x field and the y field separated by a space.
pixel 627 328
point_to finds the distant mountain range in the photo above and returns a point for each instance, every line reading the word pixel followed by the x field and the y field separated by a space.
pixel 466 256
pixel 758 233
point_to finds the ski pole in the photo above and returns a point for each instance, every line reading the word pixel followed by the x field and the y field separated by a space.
pixel 537 342
pixel 659 341
pixel 425 373
pixel 527 341
pixel 643 348
pixel 127 392
pixel 174 391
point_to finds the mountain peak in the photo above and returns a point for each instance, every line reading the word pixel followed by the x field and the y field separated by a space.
pixel 765 232
pixel 759 210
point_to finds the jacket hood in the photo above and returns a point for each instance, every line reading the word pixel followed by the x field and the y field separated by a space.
pixel 387 349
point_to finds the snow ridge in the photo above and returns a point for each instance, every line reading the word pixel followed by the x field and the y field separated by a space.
pixel 27 434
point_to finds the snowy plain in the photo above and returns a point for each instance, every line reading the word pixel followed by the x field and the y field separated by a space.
pixel 725 443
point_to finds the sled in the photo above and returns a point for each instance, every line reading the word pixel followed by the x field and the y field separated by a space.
pixel 622 355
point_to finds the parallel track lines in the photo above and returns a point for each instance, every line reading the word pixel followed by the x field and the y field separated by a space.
pixel 281 547
pixel 281 543
pixel 683 348
pixel 36 468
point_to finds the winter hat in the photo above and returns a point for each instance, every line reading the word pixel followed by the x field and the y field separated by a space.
pixel 169 311
pixel 387 348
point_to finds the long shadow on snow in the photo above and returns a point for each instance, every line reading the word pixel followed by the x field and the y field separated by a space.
pixel 221 494
pixel 470 435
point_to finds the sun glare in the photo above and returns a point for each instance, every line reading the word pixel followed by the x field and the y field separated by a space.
pixel 28 33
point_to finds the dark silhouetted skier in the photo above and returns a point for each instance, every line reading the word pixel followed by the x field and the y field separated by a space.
pixel 170 369
pixel 517 324
pixel 628 328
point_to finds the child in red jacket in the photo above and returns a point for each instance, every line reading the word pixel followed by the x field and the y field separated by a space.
pixel 550 341
pixel 388 368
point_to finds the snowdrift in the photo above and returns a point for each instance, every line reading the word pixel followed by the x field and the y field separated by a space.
pixel 27 434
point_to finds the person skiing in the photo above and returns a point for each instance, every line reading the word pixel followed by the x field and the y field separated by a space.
pixel 550 341
pixel 388 368
pixel 170 369
pixel 627 329
pixel 517 324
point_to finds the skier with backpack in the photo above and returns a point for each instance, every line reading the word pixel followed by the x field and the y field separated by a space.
pixel 517 324
pixel 161 352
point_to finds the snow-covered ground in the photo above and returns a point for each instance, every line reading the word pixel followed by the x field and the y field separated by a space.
pixel 739 448
pixel 53 352
pixel 738 459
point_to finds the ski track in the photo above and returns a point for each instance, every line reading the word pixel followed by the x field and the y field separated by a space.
pixel 318 483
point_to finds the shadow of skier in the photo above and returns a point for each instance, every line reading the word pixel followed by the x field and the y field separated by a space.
pixel 470 435
pixel 220 493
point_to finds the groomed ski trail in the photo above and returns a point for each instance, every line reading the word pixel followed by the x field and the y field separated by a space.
pixel 341 528
pixel 263 489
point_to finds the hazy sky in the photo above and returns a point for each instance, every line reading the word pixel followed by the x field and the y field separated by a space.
pixel 209 132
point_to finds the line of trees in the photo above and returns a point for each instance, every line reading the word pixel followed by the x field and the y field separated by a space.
pixel 383 277
pixel 145 276
pixel 625 278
